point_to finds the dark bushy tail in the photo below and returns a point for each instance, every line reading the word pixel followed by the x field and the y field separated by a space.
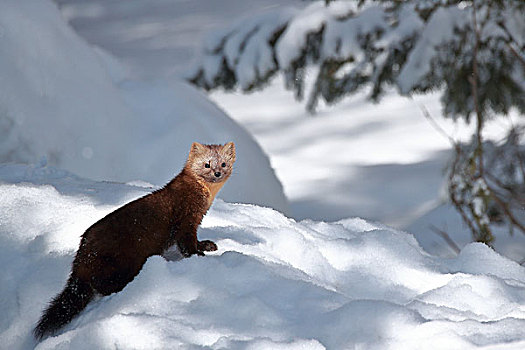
pixel 73 299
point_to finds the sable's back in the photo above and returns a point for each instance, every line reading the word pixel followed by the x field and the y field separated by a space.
pixel 132 221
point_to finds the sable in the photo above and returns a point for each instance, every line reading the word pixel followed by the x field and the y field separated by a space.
pixel 113 250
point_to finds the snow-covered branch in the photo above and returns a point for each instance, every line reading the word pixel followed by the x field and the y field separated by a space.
pixel 415 46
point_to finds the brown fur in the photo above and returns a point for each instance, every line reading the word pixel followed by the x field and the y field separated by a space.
pixel 113 250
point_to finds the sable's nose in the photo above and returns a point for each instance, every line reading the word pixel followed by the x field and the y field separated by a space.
pixel 217 174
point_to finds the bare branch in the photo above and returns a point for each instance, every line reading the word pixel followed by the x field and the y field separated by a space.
pixel 436 126
pixel 515 53
pixel 447 238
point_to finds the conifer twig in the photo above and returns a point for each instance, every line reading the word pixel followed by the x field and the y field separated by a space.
pixel 505 206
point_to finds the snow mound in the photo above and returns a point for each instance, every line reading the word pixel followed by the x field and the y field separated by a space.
pixel 274 283
pixel 72 104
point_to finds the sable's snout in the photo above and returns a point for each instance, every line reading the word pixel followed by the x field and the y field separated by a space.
pixel 217 174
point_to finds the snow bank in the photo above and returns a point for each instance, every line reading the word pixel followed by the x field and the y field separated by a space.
pixel 274 283
pixel 72 104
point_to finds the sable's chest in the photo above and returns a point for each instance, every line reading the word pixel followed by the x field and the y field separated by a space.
pixel 213 189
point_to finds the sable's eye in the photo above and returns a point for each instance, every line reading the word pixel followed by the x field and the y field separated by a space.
pixel 207 165
pixel 223 165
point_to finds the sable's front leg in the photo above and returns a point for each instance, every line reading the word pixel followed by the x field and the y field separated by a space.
pixel 188 246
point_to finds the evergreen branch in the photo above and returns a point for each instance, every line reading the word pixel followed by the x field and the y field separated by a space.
pixel 502 186
pixel 516 53
pixel 508 212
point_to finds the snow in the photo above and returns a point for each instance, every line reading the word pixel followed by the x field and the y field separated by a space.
pixel 322 279
pixel 246 50
pixel 411 23
pixel 257 60
pixel 344 46
pixel 76 107
pixel 161 36
pixel 274 282
pixel 383 162
pixel 515 27
pixel 438 31
pixel 444 217
pixel 311 19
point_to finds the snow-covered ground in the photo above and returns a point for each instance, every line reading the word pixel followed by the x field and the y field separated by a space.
pixel 274 283
pixel 383 162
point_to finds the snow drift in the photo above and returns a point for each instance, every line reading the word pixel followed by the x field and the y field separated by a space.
pixel 274 283
pixel 72 104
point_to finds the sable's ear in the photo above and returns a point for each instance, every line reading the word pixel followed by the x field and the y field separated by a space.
pixel 229 149
pixel 196 149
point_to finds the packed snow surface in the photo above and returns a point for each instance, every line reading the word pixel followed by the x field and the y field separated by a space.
pixel 274 283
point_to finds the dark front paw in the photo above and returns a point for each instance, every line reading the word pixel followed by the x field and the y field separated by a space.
pixel 206 246
pixel 188 252
pixel 185 253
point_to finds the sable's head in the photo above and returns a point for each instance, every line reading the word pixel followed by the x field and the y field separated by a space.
pixel 213 163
